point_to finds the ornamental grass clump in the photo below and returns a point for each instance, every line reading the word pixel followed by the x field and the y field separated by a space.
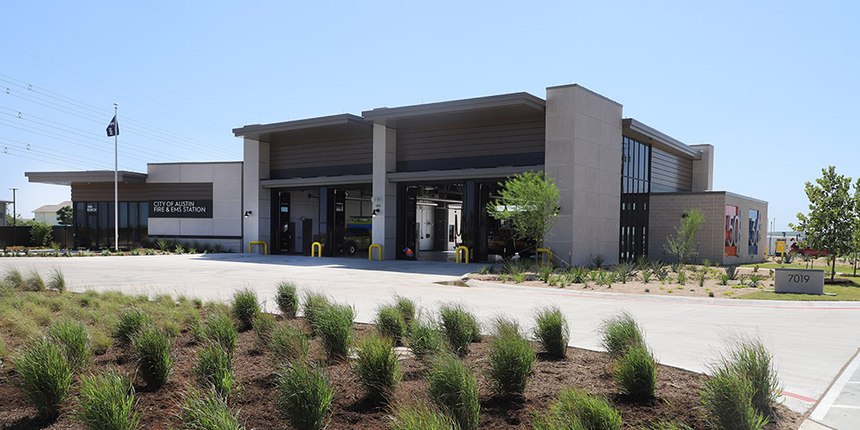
pixel 511 360
pixel 390 323
pixel 57 281
pixel 34 282
pixel 214 369
pixel 575 410
pixel 620 333
pixel 154 361
pixel 750 359
pixel 245 308
pixel 287 299
pixel 377 367
pixel 636 373
pixel 726 397
pixel 406 307
pixel 15 279
pixel 424 339
pixel 107 402
pixel 46 375
pixel 206 410
pixel 288 344
pixel 304 396
pixel 264 324
pixel 131 321
pixel 219 328
pixel 421 417
pixel 454 389
pixel 334 326
pixel 75 340
pixel 314 304
pixel 552 330
pixel 459 328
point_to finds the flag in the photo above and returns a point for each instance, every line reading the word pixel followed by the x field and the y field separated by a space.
pixel 113 128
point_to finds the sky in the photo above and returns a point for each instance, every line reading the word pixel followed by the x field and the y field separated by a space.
pixel 772 85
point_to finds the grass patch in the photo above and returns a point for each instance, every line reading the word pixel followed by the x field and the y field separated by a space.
pixel 459 327
pixel 154 361
pixel 313 305
pixel 636 373
pixel 34 282
pixel 214 369
pixel 421 417
pixel 107 403
pixel 219 328
pixel 833 293
pixel 424 339
pixel 131 321
pixel 334 326
pixel 749 359
pixel 206 410
pixel 15 279
pixel 511 360
pixel 620 333
pixel 56 280
pixel 75 340
pixel 287 299
pixel 245 308
pixel 726 398
pixel 579 410
pixel 264 324
pixel 288 345
pixel 406 307
pixel 454 389
pixel 377 367
pixel 46 375
pixel 304 396
pixel 552 330
pixel 390 323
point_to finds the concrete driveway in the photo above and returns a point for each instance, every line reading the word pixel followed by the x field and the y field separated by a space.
pixel 811 341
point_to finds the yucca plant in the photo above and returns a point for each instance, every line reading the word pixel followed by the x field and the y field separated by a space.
pixel 75 340
pixel 552 330
pixel 245 308
pixel 219 328
pixel 288 344
pixel 421 417
pixel 154 360
pixel 511 360
pixel 206 410
pixel 46 375
pixel 107 402
pixel 455 390
pixel 377 367
pixel 636 373
pixel 305 396
pixel 390 323
pixel 215 368
pixel 287 299
pixel 619 333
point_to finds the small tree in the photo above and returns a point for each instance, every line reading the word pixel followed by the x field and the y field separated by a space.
pixel 530 202
pixel 683 244
pixel 832 215
pixel 64 215
pixel 40 232
pixel 855 238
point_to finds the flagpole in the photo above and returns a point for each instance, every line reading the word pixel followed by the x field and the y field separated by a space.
pixel 116 182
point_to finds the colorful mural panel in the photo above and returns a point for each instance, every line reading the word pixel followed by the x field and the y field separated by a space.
pixel 733 230
pixel 754 232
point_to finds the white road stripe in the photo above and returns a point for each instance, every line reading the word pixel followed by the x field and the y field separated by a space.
pixel 827 401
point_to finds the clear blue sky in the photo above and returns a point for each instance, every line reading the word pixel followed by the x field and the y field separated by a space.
pixel 772 85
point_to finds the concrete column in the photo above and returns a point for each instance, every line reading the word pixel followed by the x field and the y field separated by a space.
pixel 258 225
pixel 583 156
pixel 384 191
pixel 703 169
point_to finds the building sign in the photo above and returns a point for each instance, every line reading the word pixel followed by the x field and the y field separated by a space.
pixel 799 281
pixel 733 231
pixel 92 207
pixel 753 232
pixel 180 209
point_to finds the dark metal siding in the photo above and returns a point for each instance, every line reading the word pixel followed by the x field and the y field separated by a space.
pixel 670 172
pixel 475 146
pixel 103 192
pixel 308 155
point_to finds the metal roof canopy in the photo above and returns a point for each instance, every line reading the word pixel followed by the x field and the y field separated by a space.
pixel 515 103
pixel 264 131
pixel 87 176
pixel 651 135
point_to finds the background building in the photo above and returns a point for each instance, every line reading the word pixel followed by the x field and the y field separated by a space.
pixel 48 213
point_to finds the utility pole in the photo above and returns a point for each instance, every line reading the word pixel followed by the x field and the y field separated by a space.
pixel 14 208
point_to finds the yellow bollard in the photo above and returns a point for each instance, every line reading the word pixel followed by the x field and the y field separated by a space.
pixel 370 251
pixel 259 242
pixel 465 253
pixel 316 246
pixel 546 252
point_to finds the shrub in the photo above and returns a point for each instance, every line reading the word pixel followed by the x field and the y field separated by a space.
pixel 424 339
pixel 288 344
pixel 304 396
pixel 636 373
pixel 620 333
pixel 701 276
pixel 220 329
pixel 131 321
pixel 40 233
pixel 314 304
pixel 57 281
pixel 215 368
pixel 406 307
pixel 263 324
pixel 578 274
pixel 727 399
pixel 724 279
pixel 15 279
pixel 107 403
pixel 46 375
pixel 390 323
pixel 454 389
pixel 459 328
pixel 646 276
pixel 732 272
pixel 287 299
pixel 682 277
pixel 74 338
pixel 377 367
pixel 154 362
pixel 544 271
pixel 245 308
pixel 753 361
pixel 421 417
pixel 511 360
pixel 207 411
pixel 589 412
pixel 34 282
pixel 552 330
pixel 334 325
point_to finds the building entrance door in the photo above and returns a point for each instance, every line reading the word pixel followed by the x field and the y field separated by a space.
pixel 286 240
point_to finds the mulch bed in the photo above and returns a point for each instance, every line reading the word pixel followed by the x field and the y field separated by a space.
pixel 677 392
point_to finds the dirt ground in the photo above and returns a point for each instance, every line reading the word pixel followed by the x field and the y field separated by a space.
pixel 677 391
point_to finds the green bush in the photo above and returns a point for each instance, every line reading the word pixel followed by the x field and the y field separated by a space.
pixel 552 330
pixel 40 233
pixel 131 321
pixel 511 360
pixel 407 308
pixel 288 345
pixel 304 396
pixel 636 373
pixel 263 324
pixel 580 410
pixel 620 333
pixel 46 375
pixel 57 281
pixel 726 398
pixel 390 323
pixel 459 327
pixel 245 308
pixel 219 328
pixel 421 417
pixel 287 299
pixel 154 362
pixel 751 360
pixel 107 403
pixel 75 340
pixel 34 282
pixel 15 279
pixel 424 339
pixel 377 367
pixel 334 326
pixel 207 411
pixel 313 305
pixel 215 368
pixel 454 389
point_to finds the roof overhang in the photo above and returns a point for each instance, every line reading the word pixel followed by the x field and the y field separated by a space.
pixel 513 101
pixel 455 174
pixel 655 137
pixel 88 176
pixel 263 131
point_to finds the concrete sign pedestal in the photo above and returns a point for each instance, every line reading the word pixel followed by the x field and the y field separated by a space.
pixel 799 281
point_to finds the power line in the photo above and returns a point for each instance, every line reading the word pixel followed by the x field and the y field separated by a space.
pixel 33 148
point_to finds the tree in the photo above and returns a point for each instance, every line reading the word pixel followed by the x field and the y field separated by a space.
pixel 855 238
pixel 64 215
pixel 530 202
pixel 40 232
pixel 683 244
pixel 832 216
